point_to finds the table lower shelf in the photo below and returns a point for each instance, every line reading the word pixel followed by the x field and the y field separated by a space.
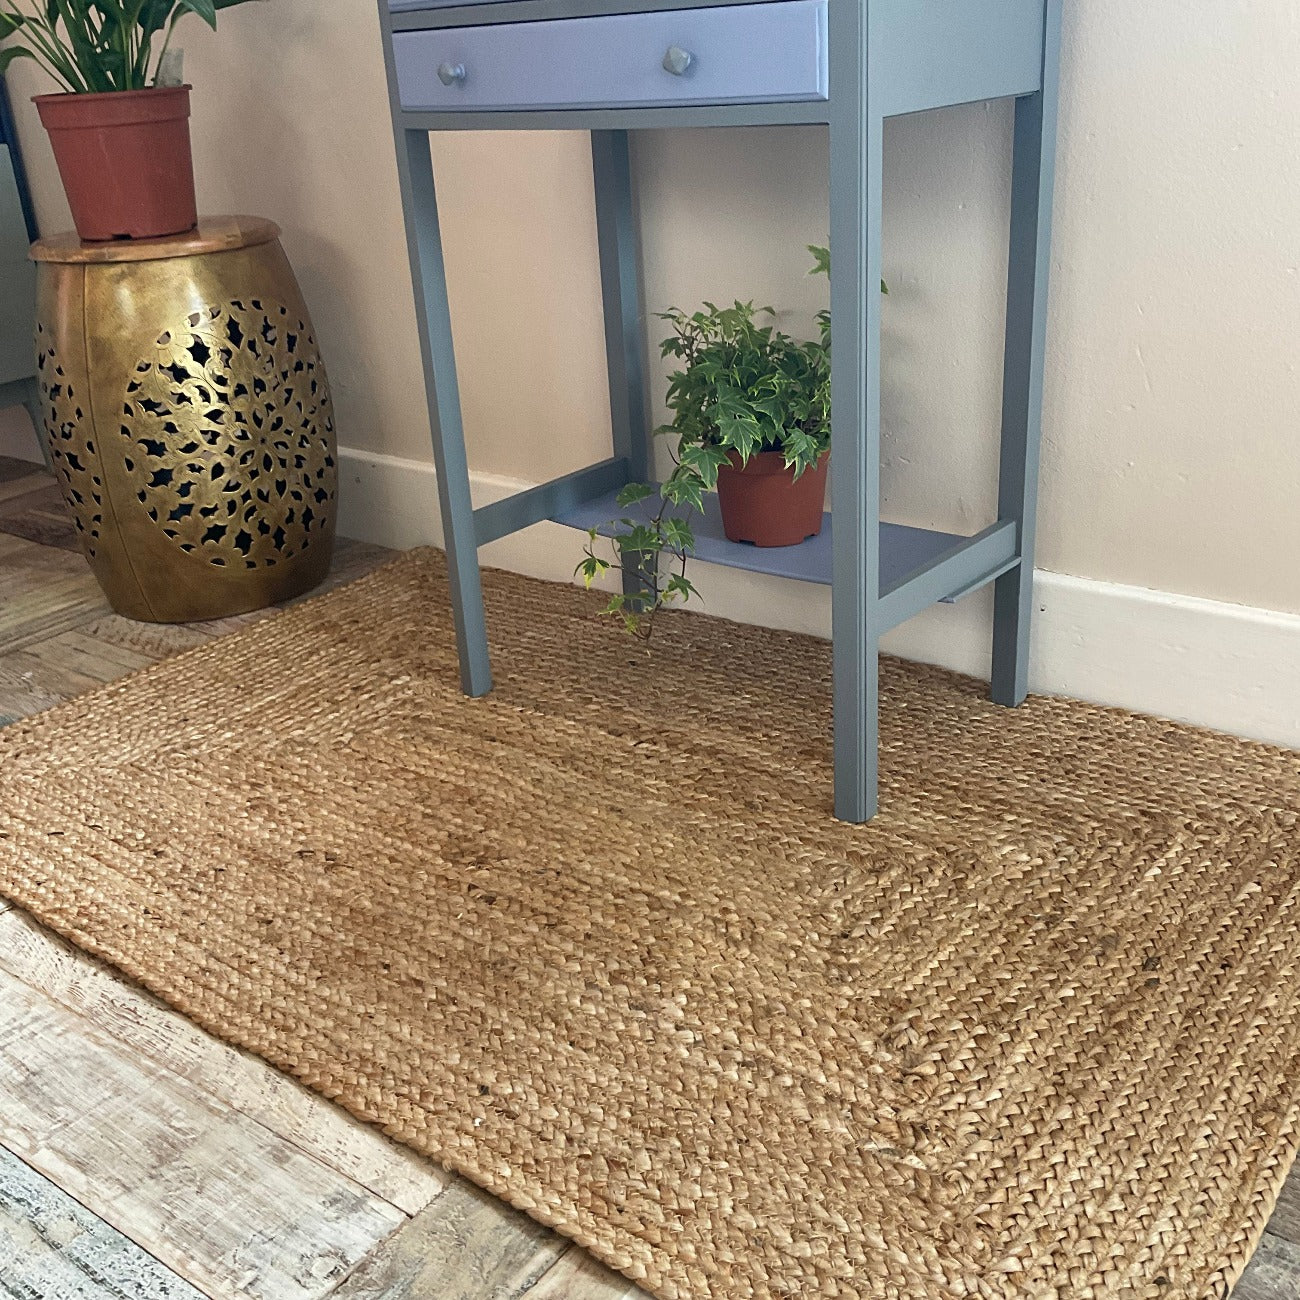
pixel 903 550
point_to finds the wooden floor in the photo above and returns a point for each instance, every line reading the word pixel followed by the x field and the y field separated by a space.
pixel 140 1158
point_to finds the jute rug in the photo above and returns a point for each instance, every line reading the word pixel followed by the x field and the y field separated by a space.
pixel 597 943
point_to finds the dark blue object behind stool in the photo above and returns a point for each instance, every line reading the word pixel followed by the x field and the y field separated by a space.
pixel 17 275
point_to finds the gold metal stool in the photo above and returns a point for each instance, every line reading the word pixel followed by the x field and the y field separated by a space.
pixel 188 418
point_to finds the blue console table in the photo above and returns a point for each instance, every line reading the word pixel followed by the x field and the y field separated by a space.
pixel 614 66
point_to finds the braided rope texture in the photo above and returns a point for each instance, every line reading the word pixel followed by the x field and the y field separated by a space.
pixel 596 941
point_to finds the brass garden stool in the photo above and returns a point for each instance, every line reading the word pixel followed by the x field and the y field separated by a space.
pixel 188 418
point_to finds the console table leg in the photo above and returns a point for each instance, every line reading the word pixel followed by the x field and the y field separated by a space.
pixel 857 132
pixel 424 239
pixel 620 279
pixel 1033 171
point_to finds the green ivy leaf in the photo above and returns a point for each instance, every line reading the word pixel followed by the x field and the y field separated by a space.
pixel 684 490
pixel 678 535
pixel 704 462
pixel 591 568
pixel 679 587
pixel 641 539
pixel 634 492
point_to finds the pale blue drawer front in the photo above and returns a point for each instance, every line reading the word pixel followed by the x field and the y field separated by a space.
pixel 767 53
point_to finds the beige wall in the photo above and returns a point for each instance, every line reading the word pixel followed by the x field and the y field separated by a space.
pixel 1172 455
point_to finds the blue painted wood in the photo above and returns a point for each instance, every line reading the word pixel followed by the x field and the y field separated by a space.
pixel 455 502
pixel 964 567
pixel 902 550
pixel 406 6
pixel 934 52
pixel 408 14
pixel 679 117
pixel 509 515
pixel 620 281
pixel 433 315
pixel 857 136
pixel 1032 179
pixel 738 54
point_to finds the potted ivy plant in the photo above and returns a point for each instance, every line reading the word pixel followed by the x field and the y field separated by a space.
pixel 751 413
pixel 120 126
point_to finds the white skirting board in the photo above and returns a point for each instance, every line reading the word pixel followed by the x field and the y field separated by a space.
pixel 17 437
pixel 1234 668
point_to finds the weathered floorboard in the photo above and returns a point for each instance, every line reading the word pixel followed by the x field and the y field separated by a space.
pixel 577 1276
pixel 1285 1222
pixel 1272 1274
pixel 27 685
pixel 43 592
pixel 149 640
pixel 54 1249
pixel 465 1246
pixel 59 668
pixel 39 514
pixel 216 1197
pixel 79 652
pixel 242 1081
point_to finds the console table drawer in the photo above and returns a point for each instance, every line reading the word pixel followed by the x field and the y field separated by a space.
pixel 754 53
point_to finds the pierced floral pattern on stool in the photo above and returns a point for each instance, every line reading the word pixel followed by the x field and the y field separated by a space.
pixel 229 435
pixel 71 447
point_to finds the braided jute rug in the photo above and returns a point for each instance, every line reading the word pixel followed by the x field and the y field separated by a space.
pixel 596 942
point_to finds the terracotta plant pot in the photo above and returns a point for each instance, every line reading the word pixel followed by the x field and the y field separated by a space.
pixel 765 504
pixel 125 161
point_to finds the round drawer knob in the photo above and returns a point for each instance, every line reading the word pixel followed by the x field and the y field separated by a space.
pixel 451 74
pixel 677 60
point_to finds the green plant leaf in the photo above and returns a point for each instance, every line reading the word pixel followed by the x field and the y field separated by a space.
pixel 822 264
pixel 634 492
pixel 684 490
pixel 13 53
pixel 10 23
pixel 679 587
pixel 92 49
pixel 704 461
pixel 206 9
pixel 154 15
pixel 678 534
pixel 591 568
pixel 640 539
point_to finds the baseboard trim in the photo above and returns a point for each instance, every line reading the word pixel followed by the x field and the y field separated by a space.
pixel 18 440
pixel 1229 667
